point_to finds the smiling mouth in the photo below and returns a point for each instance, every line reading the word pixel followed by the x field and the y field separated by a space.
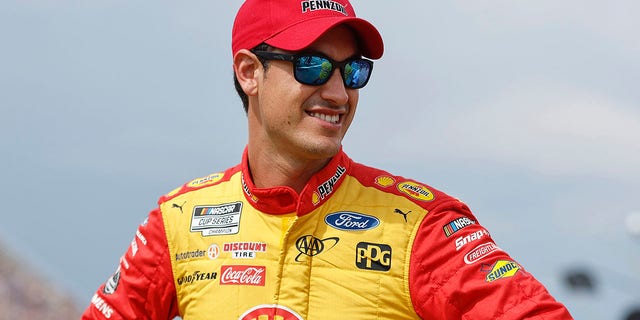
pixel 335 119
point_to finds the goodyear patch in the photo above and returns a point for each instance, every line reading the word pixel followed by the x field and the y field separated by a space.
pixel 502 269
pixel 416 191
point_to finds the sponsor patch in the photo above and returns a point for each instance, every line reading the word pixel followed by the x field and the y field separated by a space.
pixel 351 221
pixel 196 276
pixel 326 188
pixel 402 213
pixel 385 181
pixel 455 225
pixel 134 248
pixel 416 191
pixel 141 237
pixel 188 255
pixel 501 269
pixel 243 275
pixel 112 283
pixel 311 246
pixel 270 312
pixel 217 220
pixel 205 181
pixel 245 187
pixel 244 250
pixel 124 262
pixel 213 251
pixel 373 256
pixel 462 241
pixel 480 252
pixel 178 206
pixel 102 306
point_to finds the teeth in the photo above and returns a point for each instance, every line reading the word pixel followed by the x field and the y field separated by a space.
pixel 333 119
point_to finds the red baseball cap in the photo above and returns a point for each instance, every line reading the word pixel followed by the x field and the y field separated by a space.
pixel 293 25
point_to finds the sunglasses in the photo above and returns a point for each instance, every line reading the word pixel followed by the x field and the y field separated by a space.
pixel 315 70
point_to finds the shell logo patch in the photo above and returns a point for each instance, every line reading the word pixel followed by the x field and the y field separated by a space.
pixel 270 312
pixel 416 191
pixel 315 198
pixel 502 269
pixel 205 181
pixel 385 181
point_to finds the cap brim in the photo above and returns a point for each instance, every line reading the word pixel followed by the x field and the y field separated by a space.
pixel 303 34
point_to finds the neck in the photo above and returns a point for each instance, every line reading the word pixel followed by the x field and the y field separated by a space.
pixel 278 169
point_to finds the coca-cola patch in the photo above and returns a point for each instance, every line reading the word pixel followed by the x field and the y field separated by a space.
pixel 243 275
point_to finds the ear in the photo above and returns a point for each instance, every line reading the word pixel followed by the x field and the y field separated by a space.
pixel 248 69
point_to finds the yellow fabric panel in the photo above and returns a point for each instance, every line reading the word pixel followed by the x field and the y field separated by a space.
pixel 301 263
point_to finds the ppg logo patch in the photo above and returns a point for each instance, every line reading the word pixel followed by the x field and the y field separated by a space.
pixel 373 256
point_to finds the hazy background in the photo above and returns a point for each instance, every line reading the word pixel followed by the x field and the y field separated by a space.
pixel 527 111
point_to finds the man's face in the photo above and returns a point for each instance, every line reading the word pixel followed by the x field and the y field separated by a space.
pixel 306 122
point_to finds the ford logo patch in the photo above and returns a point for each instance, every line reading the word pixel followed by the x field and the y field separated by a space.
pixel 351 221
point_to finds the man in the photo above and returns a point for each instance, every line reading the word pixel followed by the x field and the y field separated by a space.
pixel 298 230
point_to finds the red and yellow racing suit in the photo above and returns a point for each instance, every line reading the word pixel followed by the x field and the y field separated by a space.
pixel 356 243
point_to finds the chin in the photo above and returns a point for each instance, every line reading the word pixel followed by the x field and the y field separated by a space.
pixel 323 151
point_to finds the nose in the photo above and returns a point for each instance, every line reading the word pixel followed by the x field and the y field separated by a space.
pixel 334 90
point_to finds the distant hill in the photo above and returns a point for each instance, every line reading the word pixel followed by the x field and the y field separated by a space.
pixel 25 294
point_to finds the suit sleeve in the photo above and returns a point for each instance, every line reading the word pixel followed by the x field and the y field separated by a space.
pixel 458 272
pixel 142 287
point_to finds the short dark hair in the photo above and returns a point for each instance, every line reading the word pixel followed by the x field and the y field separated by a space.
pixel 265 65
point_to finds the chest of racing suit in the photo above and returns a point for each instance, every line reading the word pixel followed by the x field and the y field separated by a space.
pixel 356 243
pixel 348 255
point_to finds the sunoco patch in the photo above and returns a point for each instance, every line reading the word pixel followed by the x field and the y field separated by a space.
pixel 217 220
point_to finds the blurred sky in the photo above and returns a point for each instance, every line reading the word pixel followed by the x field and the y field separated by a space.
pixel 527 111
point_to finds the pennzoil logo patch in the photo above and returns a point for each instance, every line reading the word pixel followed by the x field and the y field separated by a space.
pixel 205 181
pixel 416 191
pixel 217 220
pixel 326 188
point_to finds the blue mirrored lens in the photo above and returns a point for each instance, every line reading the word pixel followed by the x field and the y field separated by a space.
pixel 313 70
pixel 356 73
